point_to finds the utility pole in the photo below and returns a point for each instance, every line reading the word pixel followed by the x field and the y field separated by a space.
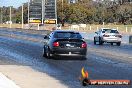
pixel 10 17
pixel 43 11
pixel 56 10
pixel 62 14
pixel 22 16
pixel 28 10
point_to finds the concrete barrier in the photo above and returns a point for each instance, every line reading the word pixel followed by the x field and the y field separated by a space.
pixel 74 27
pixel 130 39
pixel 83 26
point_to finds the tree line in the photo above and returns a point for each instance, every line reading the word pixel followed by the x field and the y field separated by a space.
pixel 85 11
pixel 16 14
pixel 88 11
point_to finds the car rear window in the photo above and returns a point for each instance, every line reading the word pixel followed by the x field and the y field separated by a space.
pixel 110 31
pixel 67 35
pixel 114 31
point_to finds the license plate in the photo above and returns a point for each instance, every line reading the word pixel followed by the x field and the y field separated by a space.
pixel 69 53
pixel 68 45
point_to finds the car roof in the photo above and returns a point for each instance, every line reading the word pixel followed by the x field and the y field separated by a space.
pixel 114 29
pixel 108 28
pixel 65 31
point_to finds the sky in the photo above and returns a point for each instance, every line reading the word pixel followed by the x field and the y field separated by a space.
pixel 14 3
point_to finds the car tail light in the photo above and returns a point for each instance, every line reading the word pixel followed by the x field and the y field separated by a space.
pixel 84 45
pixel 106 35
pixel 120 36
pixel 56 44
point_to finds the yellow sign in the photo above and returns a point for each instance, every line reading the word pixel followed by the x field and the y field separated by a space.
pixel 34 21
pixel 50 21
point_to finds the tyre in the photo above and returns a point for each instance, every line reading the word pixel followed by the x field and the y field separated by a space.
pixel 83 58
pixel 118 43
pixel 48 54
pixel 94 41
pixel 100 41
pixel 44 52
pixel 111 43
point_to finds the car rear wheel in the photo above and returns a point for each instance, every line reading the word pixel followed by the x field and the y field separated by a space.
pixel 118 43
pixel 100 41
pixel 94 41
pixel 111 43
pixel 83 58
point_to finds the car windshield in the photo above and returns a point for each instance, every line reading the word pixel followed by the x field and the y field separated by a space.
pixel 110 31
pixel 67 35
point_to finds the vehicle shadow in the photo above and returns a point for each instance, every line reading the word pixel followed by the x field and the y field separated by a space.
pixel 69 58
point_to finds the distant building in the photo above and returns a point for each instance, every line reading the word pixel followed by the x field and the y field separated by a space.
pixel 73 1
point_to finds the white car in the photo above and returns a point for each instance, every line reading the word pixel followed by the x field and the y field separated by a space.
pixel 108 35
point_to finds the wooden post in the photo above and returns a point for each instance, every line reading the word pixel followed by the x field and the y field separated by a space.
pixel 97 28
pixel 126 29
pixel 117 28
pixel 38 26
pixel 90 28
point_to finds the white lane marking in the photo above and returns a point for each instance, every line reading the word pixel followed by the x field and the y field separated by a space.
pixel 6 83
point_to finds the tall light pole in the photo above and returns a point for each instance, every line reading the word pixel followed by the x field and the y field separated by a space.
pixel 10 17
pixel 22 16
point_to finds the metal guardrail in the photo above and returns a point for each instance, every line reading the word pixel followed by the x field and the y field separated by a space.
pixel 130 39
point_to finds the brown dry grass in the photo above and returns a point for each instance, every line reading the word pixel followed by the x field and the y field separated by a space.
pixel 125 29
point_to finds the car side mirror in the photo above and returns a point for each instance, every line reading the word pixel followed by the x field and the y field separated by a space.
pixel 46 37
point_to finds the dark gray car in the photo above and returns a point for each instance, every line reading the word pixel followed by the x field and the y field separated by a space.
pixel 64 43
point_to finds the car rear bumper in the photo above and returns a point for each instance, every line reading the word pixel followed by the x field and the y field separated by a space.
pixel 69 52
pixel 70 55
pixel 114 40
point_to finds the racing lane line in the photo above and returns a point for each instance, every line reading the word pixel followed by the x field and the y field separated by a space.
pixel 6 82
